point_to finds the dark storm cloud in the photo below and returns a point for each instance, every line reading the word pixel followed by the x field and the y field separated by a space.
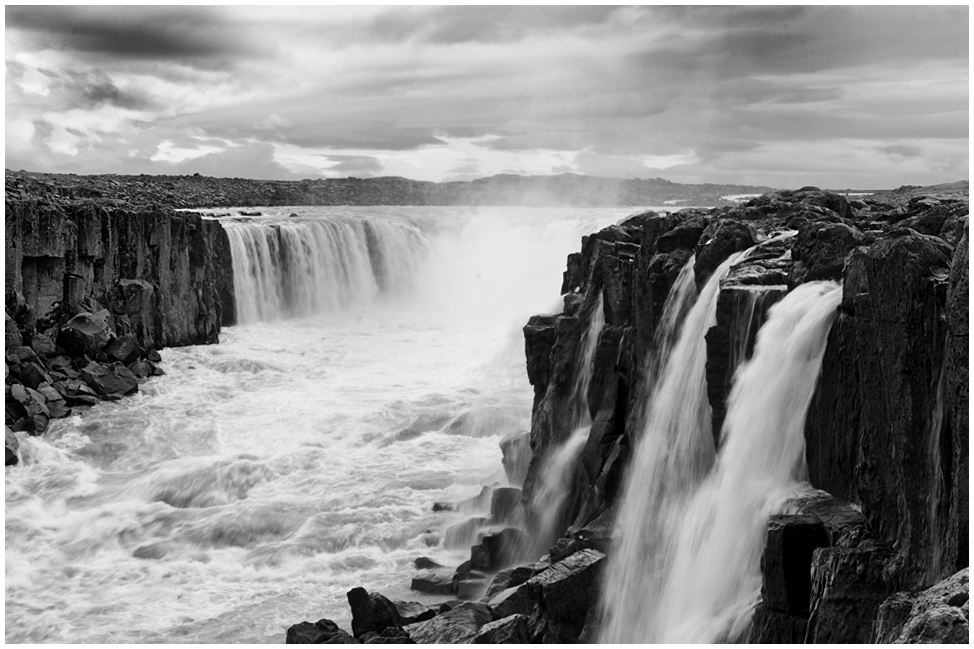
pixel 135 32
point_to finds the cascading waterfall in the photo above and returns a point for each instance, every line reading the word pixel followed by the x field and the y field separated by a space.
pixel 299 268
pixel 673 454
pixel 548 500
pixel 708 576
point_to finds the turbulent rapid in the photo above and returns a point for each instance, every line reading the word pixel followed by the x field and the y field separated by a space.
pixel 262 478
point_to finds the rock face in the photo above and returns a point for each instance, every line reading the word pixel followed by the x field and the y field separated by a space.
pixel 938 615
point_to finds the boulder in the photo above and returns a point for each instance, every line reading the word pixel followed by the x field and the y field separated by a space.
pixel 938 615
pixel 413 612
pixel 43 345
pixel 124 349
pixel 35 406
pixel 513 629
pixel 32 375
pixel 76 392
pixel 425 563
pixel 516 456
pixel 323 631
pixel 110 380
pixel 459 625
pixel 508 578
pixel 55 403
pixel 141 369
pixel 434 582
pixel 86 333
pixel 820 250
pixel 12 445
pixel 371 612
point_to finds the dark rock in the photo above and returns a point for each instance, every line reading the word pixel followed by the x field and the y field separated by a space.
pixel 719 241
pixel 505 506
pixel 444 507
pixel 86 333
pixel 22 355
pixel 35 406
pixel 323 631
pixel 462 535
pixel 13 336
pixel 775 627
pixel 124 349
pixel 498 550
pixel 848 585
pixel 389 635
pixel 371 612
pixel 156 370
pixel 141 369
pixel 32 375
pixel 108 380
pixel 472 587
pixel 509 578
pixel 513 629
pixel 434 583
pixel 787 559
pixel 76 392
pixel 516 456
pixel 412 612
pixel 56 404
pixel 425 563
pixel 820 250
pixel 43 345
pixel 153 356
pixel 459 625
pixel 12 445
pixel 938 615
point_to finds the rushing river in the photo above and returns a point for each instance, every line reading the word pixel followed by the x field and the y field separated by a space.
pixel 262 478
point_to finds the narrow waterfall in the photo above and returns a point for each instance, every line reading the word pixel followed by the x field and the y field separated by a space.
pixel 299 268
pixel 548 499
pixel 707 577
pixel 673 454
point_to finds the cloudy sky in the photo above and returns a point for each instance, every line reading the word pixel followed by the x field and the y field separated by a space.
pixel 785 96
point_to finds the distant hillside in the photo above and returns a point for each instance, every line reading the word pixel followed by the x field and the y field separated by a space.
pixel 507 189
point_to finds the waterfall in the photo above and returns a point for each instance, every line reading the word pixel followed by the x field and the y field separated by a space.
pixel 583 370
pixel 707 578
pixel 299 268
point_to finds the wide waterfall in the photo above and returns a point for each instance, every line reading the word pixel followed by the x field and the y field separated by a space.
pixel 700 577
pixel 293 268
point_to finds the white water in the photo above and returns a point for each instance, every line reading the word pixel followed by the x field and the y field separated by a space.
pixel 707 575
pixel 673 454
pixel 263 477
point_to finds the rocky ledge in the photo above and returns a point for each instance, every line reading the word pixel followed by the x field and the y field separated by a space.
pixel 877 552
pixel 93 290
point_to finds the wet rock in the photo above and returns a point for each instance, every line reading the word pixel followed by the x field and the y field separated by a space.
pixel 425 563
pixel 498 550
pixel 787 559
pixel 820 250
pixel 516 452
pixel 463 535
pixel 124 349
pixel 505 506
pixel 110 380
pixel 55 403
pixel 508 578
pixel 153 356
pixel 848 585
pixel 938 615
pixel 371 612
pixel 479 503
pixel 34 404
pixel 323 631
pixel 513 629
pixel 156 370
pixel 719 241
pixel 389 635
pixel 413 612
pixel 434 582
pixel 472 587
pixel 774 627
pixel 76 392
pixel 141 369
pixel 86 333
pixel 459 625
pixel 12 446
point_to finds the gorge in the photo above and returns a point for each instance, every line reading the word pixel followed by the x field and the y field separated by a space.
pixel 745 423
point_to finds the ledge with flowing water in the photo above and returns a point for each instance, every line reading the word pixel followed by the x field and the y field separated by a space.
pixel 823 481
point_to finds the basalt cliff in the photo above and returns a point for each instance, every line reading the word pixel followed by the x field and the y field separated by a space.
pixel 877 551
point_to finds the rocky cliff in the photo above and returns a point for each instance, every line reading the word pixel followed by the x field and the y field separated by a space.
pixel 92 290
pixel 876 552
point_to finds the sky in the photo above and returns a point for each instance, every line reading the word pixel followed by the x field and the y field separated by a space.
pixel 784 96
